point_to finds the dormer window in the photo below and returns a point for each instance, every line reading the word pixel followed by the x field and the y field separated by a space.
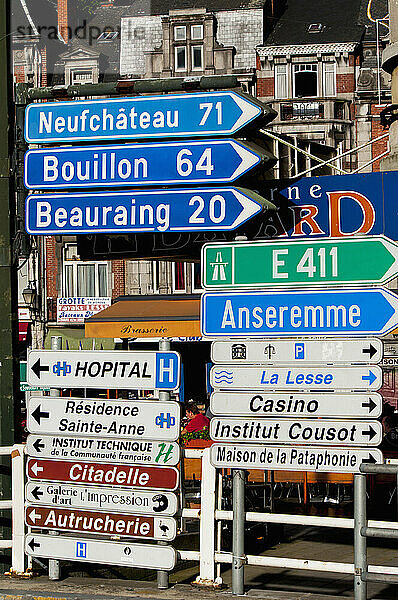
pixel 315 28
pixel 107 36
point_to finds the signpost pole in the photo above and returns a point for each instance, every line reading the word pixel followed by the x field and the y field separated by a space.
pixel 238 531
pixel 360 567
pixel 54 566
pixel 163 576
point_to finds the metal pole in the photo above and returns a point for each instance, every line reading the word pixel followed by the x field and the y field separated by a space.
pixel 360 520
pixel 163 576
pixel 238 531
pixel 396 492
pixel 54 566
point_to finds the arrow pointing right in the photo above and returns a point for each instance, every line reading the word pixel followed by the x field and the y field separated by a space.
pixel 371 405
pixel 370 432
pixel 371 377
pixel 38 414
pixel 371 351
pixel 33 545
pixel 371 459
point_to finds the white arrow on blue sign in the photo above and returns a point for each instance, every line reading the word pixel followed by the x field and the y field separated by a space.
pixel 171 115
pixel 204 161
pixel 201 209
pixel 331 312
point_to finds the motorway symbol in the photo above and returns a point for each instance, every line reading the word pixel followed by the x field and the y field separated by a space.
pixel 297 351
pixel 85 521
pixel 296 378
pixel 157 478
pixel 145 420
pixel 144 370
pixel 331 312
pixel 293 458
pixel 142 502
pixel 296 404
pixel 300 431
pixel 145 556
pixel 201 209
pixel 97 449
pixel 299 263
pixel 163 163
pixel 171 115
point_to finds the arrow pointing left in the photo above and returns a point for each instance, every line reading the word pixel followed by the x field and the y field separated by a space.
pixel 33 516
pixel 32 544
pixel 37 368
pixel 36 469
pixel 38 415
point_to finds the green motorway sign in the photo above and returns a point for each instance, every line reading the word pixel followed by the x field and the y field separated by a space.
pixel 337 261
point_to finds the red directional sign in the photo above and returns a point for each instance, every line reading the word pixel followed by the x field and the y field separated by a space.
pixel 88 521
pixel 164 478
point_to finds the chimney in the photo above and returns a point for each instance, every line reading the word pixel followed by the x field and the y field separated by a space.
pixel 63 28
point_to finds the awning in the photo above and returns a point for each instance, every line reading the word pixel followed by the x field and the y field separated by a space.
pixel 147 317
pixel 74 339
pixel 23 328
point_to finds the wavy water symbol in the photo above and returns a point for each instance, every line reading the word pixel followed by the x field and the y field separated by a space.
pixel 223 377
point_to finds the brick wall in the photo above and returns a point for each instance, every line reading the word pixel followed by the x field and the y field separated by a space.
pixel 265 87
pixel 119 273
pixel 345 83
pixel 43 53
pixel 63 19
pixel 51 267
pixel 19 73
pixel 377 130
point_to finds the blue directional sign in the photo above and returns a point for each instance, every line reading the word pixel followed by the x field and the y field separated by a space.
pixel 200 209
pixel 331 312
pixel 171 115
pixel 205 161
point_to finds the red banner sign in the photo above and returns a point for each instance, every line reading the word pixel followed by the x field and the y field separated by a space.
pixel 159 478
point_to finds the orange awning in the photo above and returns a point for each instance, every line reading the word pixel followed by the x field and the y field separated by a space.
pixel 147 317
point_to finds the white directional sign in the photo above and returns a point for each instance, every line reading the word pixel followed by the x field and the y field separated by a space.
pixel 293 458
pixel 145 370
pixel 304 431
pixel 296 404
pixel 91 448
pixel 142 419
pixel 92 497
pixel 298 351
pixel 145 556
pixel 294 378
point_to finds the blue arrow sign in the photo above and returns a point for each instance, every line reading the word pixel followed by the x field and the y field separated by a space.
pixel 352 312
pixel 201 209
pixel 171 115
pixel 205 161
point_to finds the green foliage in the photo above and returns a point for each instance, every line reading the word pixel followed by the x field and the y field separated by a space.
pixel 195 435
pixel 87 7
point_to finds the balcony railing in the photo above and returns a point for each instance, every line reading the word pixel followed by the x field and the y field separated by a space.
pixel 310 109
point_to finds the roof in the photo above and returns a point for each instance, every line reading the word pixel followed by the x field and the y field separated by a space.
pixel 340 21
pixel 162 7
pixel 147 317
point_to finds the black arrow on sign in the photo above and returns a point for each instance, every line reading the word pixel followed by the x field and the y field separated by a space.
pixel 33 545
pixel 371 351
pixel 36 493
pixel 370 432
pixel 371 459
pixel 371 405
pixel 38 368
pixel 37 414
pixel 37 445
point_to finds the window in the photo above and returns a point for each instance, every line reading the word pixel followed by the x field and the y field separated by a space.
pixel 180 58
pixel 107 36
pixel 196 278
pixel 305 80
pixel 197 57
pixel 179 279
pixel 180 33
pixel 196 32
pixel 329 79
pixel 78 76
pixel 83 278
pixel 281 81
pixel 315 28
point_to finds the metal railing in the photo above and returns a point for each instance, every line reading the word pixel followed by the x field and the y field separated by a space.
pixel 16 505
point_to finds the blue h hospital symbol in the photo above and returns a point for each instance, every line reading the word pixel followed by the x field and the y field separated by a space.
pixel 166 370
pixel 81 549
